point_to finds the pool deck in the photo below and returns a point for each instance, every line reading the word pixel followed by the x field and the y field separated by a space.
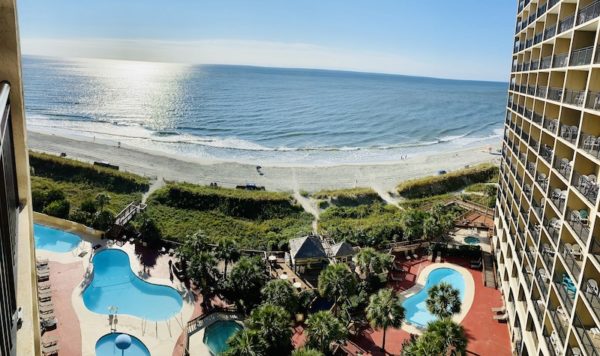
pixel 78 328
pixel 486 336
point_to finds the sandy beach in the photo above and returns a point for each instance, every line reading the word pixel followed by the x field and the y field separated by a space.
pixel 157 165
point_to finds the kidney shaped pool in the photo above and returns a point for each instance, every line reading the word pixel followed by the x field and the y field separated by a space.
pixel 114 284
pixel 416 309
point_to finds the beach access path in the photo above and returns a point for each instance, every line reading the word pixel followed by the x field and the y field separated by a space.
pixel 381 177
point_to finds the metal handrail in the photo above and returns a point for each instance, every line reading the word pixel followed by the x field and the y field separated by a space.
pixel 566 23
pixel 581 56
pixel 588 12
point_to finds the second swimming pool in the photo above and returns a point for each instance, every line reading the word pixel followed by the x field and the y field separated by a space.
pixel 416 309
pixel 55 240
pixel 114 284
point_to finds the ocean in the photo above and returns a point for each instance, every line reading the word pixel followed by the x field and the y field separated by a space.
pixel 260 115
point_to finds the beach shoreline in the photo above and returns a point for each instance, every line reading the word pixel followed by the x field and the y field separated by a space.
pixel 170 167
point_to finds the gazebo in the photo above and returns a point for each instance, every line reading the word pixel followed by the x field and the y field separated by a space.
pixel 306 253
pixel 342 251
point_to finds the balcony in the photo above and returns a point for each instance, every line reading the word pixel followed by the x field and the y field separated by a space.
pixel 555 94
pixel 593 100
pixel 578 220
pixel 563 166
pixel 550 32
pixel 547 254
pixel 559 198
pixel 535 117
pixel 535 65
pixel 570 253
pixel 528 43
pixel 553 226
pixel 537 208
pixel 542 180
pixel 597 57
pixel 566 289
pixel 551 346
pixel 542 91
pixel 566 24
pixel 574 97
pixel 541 10
pixel 551 125
pixel 591 343
pixel 546 62
pixel 582 56
pixel 569 133
pixel 586 185
pixel 560 60
pixel 560 323
pixel 530 91
pixel 590 144
pixel 588 13
pixel 591 294
pixel 542 281
pixel 539 308
pixel 595 249
pixel 546 153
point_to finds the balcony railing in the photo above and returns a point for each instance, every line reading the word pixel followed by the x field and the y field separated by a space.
pixel 560 60
pixel 566 251
pixel 547 254
pixel 549 32
pixel 579 223
pixel 551 125
pixel 588 12
pixel 581 56
pixel 566 23
pixel 541 10
pixel 546 62
pixel 530 91
pixel 539 37
pixel 593 100
pixel 560 324
pixel 597 57
pixel 591 296
pixel 551 3
pixel 551 346
pixel 595 248
pixel 591 346
pixel 559 198
pixel 542 91
pixel 537 208
pixel 542 283
pixel 535 65
pixel 569 132
pixel 546 154
pixel 586 185
pixel 528 43
pixel 590 144
pixel 574 97
pixel 563 166
pixel 535 117
pixel 539 308
pixel 555 94
pixel 566 291
pixel 552 226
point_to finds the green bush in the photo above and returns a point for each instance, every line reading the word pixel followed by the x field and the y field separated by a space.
pixel 453 181
pixel 58 208
pixel 103 220
pixel 63 169
pixel 349 197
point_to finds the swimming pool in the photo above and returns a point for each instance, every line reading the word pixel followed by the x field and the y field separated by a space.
pixel 472 240
pixel 55 240
pixel 105 346
pixel 114 284
pixel 416 309
pixel 217 334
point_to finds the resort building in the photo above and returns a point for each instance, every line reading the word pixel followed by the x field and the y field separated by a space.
pixel 547 239
pixel 19 326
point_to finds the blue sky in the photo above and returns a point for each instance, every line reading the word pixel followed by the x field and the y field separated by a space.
pixel 463 39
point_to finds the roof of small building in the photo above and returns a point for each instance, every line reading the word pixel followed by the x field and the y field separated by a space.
pixel 342 249
pixel 307 247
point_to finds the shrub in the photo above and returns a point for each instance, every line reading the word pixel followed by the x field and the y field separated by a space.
pixel 453 181
pixel 349 197
pixel 103 220
pixel 54 195
pixel 39 199
pixel 58 208
pixel 63 169
pixel 88 206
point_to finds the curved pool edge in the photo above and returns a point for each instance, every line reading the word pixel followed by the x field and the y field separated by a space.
pixel 133 337
pixel 469 295
pixel 85 283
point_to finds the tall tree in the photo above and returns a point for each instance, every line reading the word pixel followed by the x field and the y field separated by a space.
pixel 201 268
pixel 280 292
pixel 102 199
pixel 452 333
pixel 227 251
pixel 336 282
pixel 412 223
pixel 193 244
pixel 385 310
pixel 323 328
pixel 431 227
pixel 273 324
pixel 425 345
pixel 370 261
pixel 443 300
pixel 246 342
pixel 248 276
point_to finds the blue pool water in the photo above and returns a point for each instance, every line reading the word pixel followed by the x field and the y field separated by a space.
pixel 114 284
pixel 49 239
pixel 472 240
pixel 416 310
pixel 216 335
pixel 105 346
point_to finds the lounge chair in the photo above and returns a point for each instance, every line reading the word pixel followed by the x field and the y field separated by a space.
pixel 45 297
pixel 397 278
pixel 43 262
pixel 476 265
pixel 576 251
pixel 50 342
pixel 499 310
pixel 501 317
pixel 44 286
pixel 592 287
pixel 46 308
pixel 43 276
pixel 51 350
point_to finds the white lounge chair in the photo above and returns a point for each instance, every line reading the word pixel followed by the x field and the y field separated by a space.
pixel 576 251
pixel 501 317
pixel 592 287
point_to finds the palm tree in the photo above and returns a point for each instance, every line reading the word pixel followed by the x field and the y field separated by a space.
pixel 246 280
pixel 431 227
pixel 246 342
pixel 385 310
pixel 280 292
pixel 272 322
pixel 102 199
pixel 443 300
pixel 336 282
pixel 227 251
pixel 201 267
pixel 370 261
pixel 323 328
pixel 411 221
pixel 452 333
pixel 425 345
pixel 193 244
pixel 305 351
